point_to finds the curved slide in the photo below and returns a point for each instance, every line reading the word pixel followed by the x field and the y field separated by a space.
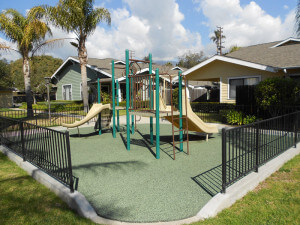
pixel 94 111
pixel 194 122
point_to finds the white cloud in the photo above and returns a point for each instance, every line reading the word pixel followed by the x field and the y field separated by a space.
pixel 245 25
pixel 143 26
pixel 286 7
pixel 146 26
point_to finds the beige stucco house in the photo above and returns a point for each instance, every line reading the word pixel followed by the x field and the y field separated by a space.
pixel 248 66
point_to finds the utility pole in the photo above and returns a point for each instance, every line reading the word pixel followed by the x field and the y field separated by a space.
pixel 131 54
pixel 219 40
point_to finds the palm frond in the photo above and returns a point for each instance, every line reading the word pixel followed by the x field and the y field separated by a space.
pixel 96 16
pixel 48 44
pixel 5 47
pixel 11 27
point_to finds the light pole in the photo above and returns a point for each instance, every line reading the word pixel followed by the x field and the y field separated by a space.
pixel 47 79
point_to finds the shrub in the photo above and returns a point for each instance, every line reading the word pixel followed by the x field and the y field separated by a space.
pixel 249 119
pixel 234 117
pixel 175 94
pixel 275 93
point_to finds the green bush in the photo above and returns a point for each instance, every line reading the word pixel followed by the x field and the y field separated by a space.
pixel 59 106
pixel 276 93
pixel 234 117
pixel 175 94
pixel 249 119
pixel 144 103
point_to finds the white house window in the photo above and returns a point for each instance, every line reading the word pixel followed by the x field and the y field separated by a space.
pixel 234 82
pixel 67 92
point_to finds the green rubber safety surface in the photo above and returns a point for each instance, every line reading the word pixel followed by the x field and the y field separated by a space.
pixel 134 186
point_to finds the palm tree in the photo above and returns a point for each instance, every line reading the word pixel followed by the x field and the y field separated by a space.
pixel 234 48
pixel 217 38
pixel 81 18
pixel 27 32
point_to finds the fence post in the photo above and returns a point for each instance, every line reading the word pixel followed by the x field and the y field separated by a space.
pixel 223 160
pixel 257 147
pixel 22 141
pixel 69 162
pixel 295 130
pixel 34 116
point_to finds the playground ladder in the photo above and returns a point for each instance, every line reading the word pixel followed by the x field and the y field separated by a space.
pixel 183 127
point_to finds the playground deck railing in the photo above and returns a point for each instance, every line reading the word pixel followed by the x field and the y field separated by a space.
pixel 45 148
pixel 246 148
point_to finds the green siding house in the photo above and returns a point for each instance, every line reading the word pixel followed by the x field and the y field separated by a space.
pixel 67 78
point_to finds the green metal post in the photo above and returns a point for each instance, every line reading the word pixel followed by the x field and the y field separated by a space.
pixel 131 96
pixel 113 96
pixel 118 116
pixel 99 101
pixel 151 98
pixel 180 110
pixel 127 99
pixel 157 113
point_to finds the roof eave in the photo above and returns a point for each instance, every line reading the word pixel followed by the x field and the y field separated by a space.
pixel 231 60
pixel 76 60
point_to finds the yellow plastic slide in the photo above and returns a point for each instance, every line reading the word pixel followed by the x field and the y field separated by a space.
pixel 194 122
pixel 94 111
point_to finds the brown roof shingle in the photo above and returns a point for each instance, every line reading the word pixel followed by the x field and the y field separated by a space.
pixel 284 56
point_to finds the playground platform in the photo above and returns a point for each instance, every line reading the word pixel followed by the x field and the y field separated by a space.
pixel 134 186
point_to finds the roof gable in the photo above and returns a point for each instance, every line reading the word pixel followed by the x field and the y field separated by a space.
pixel 230 60
pixel 289 41
pixel 279 54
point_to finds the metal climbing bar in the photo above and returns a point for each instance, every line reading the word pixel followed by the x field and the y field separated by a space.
pixel 182 118
pixel 113 97
pixel 157 113
pixel 127 100
pixel 99 101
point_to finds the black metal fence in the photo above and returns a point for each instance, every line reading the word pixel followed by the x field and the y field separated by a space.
pixel 45 148
pixel 238 114
pixel 56 118
pixel 247 147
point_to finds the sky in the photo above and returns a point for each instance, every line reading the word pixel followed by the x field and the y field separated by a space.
pixel 171 28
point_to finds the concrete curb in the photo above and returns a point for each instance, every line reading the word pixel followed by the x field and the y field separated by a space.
pixel 219 202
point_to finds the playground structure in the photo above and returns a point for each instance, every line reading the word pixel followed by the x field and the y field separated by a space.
pixel 143 98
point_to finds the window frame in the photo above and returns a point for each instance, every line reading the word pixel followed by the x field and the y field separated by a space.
pixel 235 78
pixel 62 91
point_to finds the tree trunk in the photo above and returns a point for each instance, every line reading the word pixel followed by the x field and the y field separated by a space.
pixel 28 92
pixel 82 54
pixel 34 99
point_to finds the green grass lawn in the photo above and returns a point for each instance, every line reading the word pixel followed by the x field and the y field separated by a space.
pixel 274 201
pixel 25 201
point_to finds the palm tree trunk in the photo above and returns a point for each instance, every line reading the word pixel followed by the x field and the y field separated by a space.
pixel 28 92
pixel 82 54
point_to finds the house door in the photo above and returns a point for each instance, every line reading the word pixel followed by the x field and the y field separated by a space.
pixel 67 92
